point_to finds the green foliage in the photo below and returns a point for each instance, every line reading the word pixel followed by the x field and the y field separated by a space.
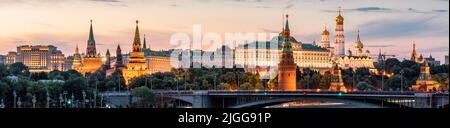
pixel 363 86
pixel 146 96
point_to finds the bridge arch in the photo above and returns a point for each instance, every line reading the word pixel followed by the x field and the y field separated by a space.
pixel 274 101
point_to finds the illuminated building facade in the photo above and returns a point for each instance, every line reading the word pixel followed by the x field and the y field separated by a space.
pixel 339 38
pixel 137 65
pixel 356 59
pixel 77 65
pixel 11 58
pixel 262 57
pixel 337 84
pixel 424 83
pixel 40 58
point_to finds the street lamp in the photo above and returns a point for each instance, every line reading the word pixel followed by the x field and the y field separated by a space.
pixel 2 105
pixel 34 101
pixel 60 100
pixel 19 102
pixel 401 80
pixel 14 95
pixel 84 99
pixel 48 100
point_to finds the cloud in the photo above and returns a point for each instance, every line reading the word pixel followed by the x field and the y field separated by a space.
pixel 365 9
pixel 289 6
pixel 380 46
pixel 106 0
pixel 387 10
pixel 400 27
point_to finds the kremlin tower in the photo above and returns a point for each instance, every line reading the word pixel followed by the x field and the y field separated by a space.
pixel 287 67
pixel 339 40
pixel 91 61
pixel 76 60
pixel 414 54
pixel 337 84
pixel 119 61
pixel 136 66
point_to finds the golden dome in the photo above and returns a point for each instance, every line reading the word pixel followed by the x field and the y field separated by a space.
pixel 358 43
pixel 325 32
pixel 339 18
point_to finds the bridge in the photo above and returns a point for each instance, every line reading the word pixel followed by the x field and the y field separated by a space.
pixel 249 99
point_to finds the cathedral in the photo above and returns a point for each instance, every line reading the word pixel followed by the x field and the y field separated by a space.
pixel 137 65
pixel 91 61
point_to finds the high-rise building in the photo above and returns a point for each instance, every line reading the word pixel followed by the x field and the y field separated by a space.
pixel 91 61
pixel 137 65
pixel 446 59
pixel 287 67
pixel 339 40
pixel 40 58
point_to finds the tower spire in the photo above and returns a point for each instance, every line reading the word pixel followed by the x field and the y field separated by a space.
pixel 144 43
pixel 137 39
pixel 414 53
pixel 358 39
pixel 76 50
pixel 91 34
pixel 286 28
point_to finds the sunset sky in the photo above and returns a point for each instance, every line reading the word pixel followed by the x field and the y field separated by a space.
pixel 391 25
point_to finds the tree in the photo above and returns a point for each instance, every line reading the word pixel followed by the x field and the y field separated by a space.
pixel 18 68
pixel 363 86
pixel 3 71
pixel 223 86
pixel 246 86
pixel 145 95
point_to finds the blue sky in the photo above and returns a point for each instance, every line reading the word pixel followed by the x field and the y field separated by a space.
pixel 391 25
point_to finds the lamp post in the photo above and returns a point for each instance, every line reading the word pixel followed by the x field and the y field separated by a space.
pixel 48 100
pixel 19 102
pixel 401 81
pixel 95 95
pixel 84 99
pixel 15 96
pixel 2 105
pixel 60 100
pixel 34 101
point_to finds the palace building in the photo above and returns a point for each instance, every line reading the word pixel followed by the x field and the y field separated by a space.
pixel 263 57
pixel 137 65
pixel 91 61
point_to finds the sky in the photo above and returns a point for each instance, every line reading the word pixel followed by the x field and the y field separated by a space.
pixel 389 25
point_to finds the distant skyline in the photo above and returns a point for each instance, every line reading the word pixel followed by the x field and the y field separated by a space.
pixel 391 25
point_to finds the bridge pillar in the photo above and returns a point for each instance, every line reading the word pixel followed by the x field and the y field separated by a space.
pixel 430 100
pixel 201 101
pixel 423 100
